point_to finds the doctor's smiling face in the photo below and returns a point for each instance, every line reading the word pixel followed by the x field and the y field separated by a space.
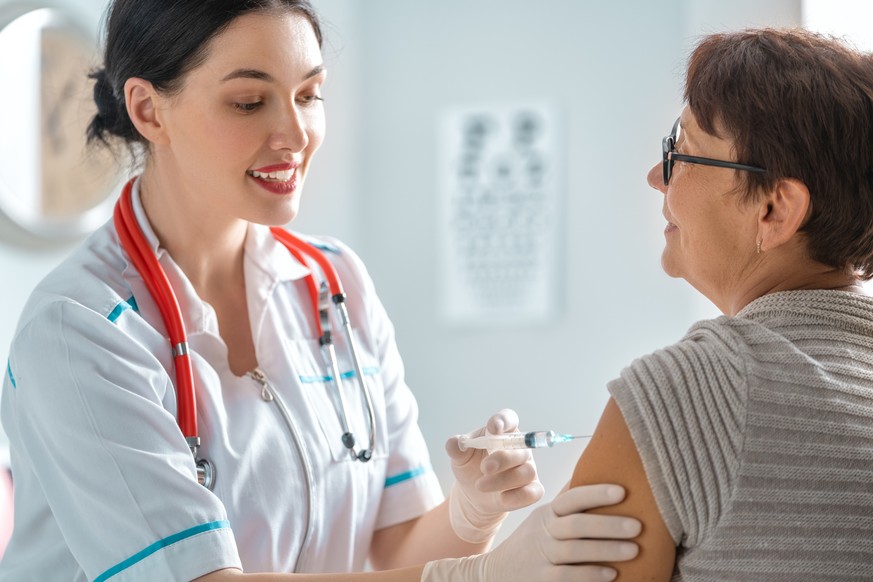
pixel 248 119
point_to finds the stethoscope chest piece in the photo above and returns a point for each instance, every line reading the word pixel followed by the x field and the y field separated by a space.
pixel 204 467
pixel 206 473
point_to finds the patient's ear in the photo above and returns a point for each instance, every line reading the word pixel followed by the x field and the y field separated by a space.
pixel 783 211
pixel 141 101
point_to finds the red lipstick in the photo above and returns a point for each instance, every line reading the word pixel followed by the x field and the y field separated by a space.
pixel 275 168
pixel 281 185
pixel 277 187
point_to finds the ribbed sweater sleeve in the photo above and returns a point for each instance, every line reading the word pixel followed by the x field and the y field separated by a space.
pixel 685 408
pixel 756 435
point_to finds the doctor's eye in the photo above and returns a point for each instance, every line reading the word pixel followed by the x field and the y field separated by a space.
pixel 309 99
pixel 248 107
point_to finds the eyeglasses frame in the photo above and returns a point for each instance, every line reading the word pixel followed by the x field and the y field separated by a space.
pixel 670 157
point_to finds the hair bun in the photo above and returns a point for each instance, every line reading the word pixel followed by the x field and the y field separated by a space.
pixel 104 96
pixel 110 119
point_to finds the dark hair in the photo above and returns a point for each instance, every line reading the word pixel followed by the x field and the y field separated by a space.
pixel 161 41
pixel 800 105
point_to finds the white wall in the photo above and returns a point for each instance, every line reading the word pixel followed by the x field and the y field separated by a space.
pixel 615 70
pixel 849 19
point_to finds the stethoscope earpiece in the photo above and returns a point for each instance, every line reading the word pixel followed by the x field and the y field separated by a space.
pixel 349 443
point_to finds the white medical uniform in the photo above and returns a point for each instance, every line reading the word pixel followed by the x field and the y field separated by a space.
pixel 105 482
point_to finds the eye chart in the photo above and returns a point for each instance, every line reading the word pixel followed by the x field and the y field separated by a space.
pixel 500 218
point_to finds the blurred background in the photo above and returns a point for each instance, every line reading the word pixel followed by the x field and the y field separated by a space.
pixel 457 129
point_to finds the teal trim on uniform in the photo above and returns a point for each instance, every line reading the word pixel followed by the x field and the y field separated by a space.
pixel 121 308
pixel 345 376
pixel 324 246
pixel 9 373
pixel 139 556
pixel 412 474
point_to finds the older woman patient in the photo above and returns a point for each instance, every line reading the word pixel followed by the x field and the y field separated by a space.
pixel 747 447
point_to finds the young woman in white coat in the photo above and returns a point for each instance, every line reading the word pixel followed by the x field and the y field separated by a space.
pixel 300 462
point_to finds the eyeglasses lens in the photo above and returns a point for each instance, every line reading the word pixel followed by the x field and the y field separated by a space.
pixel 667 145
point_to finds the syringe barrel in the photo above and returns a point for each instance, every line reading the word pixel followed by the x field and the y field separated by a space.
pixel 539 439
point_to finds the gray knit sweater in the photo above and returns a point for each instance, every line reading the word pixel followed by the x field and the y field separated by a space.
pixel 756 433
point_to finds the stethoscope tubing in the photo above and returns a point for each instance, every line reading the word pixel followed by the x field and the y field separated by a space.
pixel 298 249
pixel 298 246
pixel 155 279
pixel 146 263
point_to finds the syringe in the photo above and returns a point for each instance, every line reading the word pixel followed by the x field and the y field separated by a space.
pixel 516 440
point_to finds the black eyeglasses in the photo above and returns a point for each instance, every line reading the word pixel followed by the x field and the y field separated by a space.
pixel 670 157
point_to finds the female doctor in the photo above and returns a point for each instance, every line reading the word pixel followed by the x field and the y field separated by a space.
pixel 287 459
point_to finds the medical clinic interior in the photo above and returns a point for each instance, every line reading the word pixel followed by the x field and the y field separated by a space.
pixel 487 160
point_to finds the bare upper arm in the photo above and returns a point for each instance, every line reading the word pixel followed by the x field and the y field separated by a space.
pixel 611 457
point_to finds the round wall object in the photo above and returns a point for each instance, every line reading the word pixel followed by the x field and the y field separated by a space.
pixel 51 185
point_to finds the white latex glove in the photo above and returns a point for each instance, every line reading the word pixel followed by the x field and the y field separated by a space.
pixel 552 544
pixel 487 486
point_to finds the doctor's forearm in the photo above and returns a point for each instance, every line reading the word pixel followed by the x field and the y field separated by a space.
pixel 426 538
pixel 412 574
pixel 398 552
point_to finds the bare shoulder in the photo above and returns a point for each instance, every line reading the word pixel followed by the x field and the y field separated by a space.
pixel 612 457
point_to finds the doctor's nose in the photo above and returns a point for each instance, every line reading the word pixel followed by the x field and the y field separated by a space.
pixel 291 133
pixel 655 178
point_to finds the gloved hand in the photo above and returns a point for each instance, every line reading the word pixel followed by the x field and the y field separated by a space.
pixel 552 544
pixel 487 486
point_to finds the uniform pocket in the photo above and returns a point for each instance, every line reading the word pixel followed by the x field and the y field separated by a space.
pixel 321 390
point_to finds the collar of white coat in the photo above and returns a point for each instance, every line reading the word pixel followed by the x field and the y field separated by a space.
pixel 260 245
pixel 266 264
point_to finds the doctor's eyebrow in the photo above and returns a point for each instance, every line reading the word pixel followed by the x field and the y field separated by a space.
pixel 264 76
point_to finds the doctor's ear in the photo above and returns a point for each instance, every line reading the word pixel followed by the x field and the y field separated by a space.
pixel 141 100
pixel 783 211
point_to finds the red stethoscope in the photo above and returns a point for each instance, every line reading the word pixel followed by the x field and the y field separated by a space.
pixel 136 246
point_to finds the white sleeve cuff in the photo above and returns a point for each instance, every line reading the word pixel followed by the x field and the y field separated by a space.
pixel 409 495
pixel 186 555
